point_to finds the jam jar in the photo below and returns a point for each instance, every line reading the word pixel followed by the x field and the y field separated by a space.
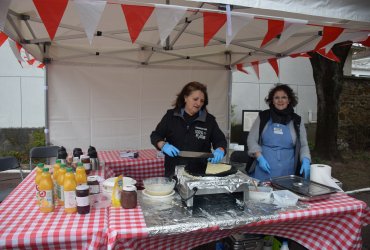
pixel 129 197
pixel 82 199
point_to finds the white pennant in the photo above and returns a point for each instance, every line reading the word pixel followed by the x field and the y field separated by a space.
pixel 90 13
pixel 4 6
pixel 291 26
pixel 15 50
pixel 350 36
pixel 167 19
pixel 238 21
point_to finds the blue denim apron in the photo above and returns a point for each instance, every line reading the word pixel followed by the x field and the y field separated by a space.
pixel 278 150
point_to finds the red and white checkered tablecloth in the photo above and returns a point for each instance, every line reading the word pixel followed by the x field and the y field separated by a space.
pixel 23 226
pixel 333 223
pixel 145 166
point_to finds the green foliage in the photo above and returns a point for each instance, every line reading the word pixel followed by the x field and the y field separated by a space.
pixel 38 138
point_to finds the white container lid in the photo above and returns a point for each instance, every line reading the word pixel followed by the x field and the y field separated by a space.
pixel 129 188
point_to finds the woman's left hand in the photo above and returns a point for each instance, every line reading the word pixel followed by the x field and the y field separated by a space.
pixel 305 168
pixel 218 154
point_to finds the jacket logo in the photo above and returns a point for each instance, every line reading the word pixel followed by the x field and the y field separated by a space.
pixel 200 133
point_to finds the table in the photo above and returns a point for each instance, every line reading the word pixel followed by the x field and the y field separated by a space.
pixel 145 166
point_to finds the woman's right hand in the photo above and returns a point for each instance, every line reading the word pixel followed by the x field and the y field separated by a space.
pixel 264 165
pixel 170 150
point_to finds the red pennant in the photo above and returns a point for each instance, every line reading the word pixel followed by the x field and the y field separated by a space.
pixel 329 35
pixel 239 67
pixel 136 17
pixel 274 65
pixel 212 22
pixel 19 47
pixel 3 38
pixel 32 61
pixel 51 13
pixel 274 28
pixel 365 43
pixel 41 66
pixel 300 55
pixel 330 55
pixel 256 68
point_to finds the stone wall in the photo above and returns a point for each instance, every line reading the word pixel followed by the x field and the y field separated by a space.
pixel 354 113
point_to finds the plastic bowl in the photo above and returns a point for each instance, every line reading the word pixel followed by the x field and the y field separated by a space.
pixel 284 198
pixel 159 186
pixel 262 194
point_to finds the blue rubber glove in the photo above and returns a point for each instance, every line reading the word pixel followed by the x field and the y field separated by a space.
pixel 218 154
pixel 170 150
pixel 305 168
pixel 264 165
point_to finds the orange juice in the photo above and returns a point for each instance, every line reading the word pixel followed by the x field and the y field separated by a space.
pixel 80 174
pixel 69 185
pixel 38 170
pixel 46 192
pixel 55 178
pixel 61 173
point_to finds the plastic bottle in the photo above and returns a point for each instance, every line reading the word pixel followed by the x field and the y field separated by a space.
pixel 38 170
pixel 55 178
pixel 284 246
pixel 69 186
pixel 61 173
pixel 46 192
pixel 81 177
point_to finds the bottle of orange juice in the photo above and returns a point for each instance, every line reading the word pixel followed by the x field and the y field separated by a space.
pixel 61 173
pixel 46 192
pixel 38 170
pixel 69 185
pixel 81 177
pixel 55 178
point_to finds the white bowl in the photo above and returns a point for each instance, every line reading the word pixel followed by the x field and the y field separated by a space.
pixel 108 184
pixel 285 198
pixel 262 194
pixel 159 186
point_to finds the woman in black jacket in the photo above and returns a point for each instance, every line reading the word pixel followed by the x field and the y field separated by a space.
pixel 188 126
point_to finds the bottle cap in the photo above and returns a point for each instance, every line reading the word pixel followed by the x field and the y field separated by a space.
pixel 79 164
pixel 82 187
pixel 45 170
pixel 58 161
pixel 40 165
pixel 63 165
pixel 129 188
pixel 69 170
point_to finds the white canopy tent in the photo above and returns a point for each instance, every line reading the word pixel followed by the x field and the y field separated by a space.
pixel 110 83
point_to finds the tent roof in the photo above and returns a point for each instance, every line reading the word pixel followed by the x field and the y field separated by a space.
pixel 112 45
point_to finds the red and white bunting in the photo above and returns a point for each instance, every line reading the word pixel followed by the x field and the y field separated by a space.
pixel 274 28
pixel 274 64
pixel 168 16
pixel 4 6
pixel 90 13
pixel 238 22
pixel 366 42
pixel 51 13
pixel 330 55
pixel 348 36
pixel 136 17
pixel 3 38
pixel 300 55
pixel 256 68
pixel 240 67
pixel 16 47
pixel 291 26
pixel 329 34
pixel 212 22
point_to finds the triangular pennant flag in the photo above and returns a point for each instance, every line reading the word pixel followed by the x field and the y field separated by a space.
pixel 32 61
pixel 329 34
pixel 136 17
pixel 291 26
pixel 168 16
pixel 90 13
pixel 256 69
pixel 274 28
pixel 51 13
pixel 4 6
pixel 238 21
pixel 16 51
pixel 330 55
pixel 212 22
pixel 304 54
pixel 41 66
pixel 347 36
pixel 274 64
pixel 3 38
pixel 239 67
pixel 366 42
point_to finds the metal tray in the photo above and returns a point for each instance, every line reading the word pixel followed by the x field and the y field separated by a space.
pixel 306 189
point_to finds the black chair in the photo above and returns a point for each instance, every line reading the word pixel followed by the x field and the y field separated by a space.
pixel 7 184
pixel 241 160
pixel 43 152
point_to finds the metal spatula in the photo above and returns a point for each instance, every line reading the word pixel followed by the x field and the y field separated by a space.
pixel 194 154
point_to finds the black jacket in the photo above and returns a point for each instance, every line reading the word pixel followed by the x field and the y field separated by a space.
pixel 200 135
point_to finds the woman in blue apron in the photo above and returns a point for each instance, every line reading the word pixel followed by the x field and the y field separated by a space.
pixel 278 138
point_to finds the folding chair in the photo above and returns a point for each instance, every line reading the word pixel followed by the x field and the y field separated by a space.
pixel 43 152
pixel 6 184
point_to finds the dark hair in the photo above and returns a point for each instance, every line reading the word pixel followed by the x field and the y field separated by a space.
pixel 293 99
pixel 187 90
